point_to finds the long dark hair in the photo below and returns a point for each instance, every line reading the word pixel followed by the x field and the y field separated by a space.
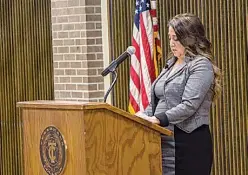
pixel 190 33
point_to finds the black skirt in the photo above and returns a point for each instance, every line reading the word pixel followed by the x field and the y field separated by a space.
pixel 187 153
pixel 193 151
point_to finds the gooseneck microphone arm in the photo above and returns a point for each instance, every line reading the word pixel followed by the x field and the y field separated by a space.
pixel 114 76
pixel 113 65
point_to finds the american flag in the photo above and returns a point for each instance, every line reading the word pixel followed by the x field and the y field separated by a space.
pixel 143 69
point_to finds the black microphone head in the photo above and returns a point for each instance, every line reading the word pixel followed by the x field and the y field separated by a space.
pixel 131 50
pixel 115 63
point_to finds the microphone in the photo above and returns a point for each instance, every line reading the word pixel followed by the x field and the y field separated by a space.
pixel 115 63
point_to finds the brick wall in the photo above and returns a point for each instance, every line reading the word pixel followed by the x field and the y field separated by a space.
pixel 77 50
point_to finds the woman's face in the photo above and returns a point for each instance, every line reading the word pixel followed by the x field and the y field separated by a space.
pixel 177 48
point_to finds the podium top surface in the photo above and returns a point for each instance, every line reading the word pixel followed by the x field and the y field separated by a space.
pixel 76 105
pixel 54 104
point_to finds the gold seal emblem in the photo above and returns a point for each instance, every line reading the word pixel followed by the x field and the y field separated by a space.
pixel 52 151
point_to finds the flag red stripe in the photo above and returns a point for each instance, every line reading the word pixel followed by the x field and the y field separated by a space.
pixel 134 103
pixel 137 49
pixel 155 28
pixel 146 48
pixel 135 77
pixel 153 12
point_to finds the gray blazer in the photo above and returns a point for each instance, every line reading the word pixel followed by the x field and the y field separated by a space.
pixel 188 94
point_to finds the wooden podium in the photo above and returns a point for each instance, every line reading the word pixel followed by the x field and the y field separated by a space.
pixel 99 139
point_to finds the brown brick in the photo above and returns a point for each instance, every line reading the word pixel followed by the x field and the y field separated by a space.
pixel 62 34
pixel 63 12
pixel 89 10
pixel 99 71
pixel 59 72
pixel 70 72
pixel 74 18
pixel 80 41
pixel 98 25
pixel 55 50
pixel 56 65
pixel 62 19
pixel 58 42
pixel 56 93
pixel 94 94
pixel 94 33
pixel 83 34
pixel 54 19
pixel 92 87
pixel 85 56
pixel 92 2
pixel 71 87
pixel 68 26
pixel 80 26
pixel 100 86
pixel 93 64
pixel 58 57
pixel 59 86
pixel 61 4
pixel 53 5
pixel 77 94
pixel 97 9
pixel 57 27
pixel 69 42
pixel 55 12
pixel 82 72
pixel 56 79
pixel 76 79
pixel 98 40
pixel 83 18
pixel 90 26
pixel 82 87
pixel 79 10
pixel 63 49
pixel 93 17
pixel 99 56
pixel 93 79
pixel 65 94
pixel 92 71
pixel 55 35
pixel 84 49
pixel 76 64
pixel 84 64
pixel 75 49
pixel 91 41
pixel 64 79
pixel 59 11
pixel 75 34
pixel 81 57
pixel 92 49
pixel 64 64
pixel 86 72
pixel 69 57
pixel 72 3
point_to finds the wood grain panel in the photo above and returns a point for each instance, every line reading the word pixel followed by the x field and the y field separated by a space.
pixel 127 148
pixel 68 122
pixel 100 141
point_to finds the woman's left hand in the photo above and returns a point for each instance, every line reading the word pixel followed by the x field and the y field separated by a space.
pixel 152 119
